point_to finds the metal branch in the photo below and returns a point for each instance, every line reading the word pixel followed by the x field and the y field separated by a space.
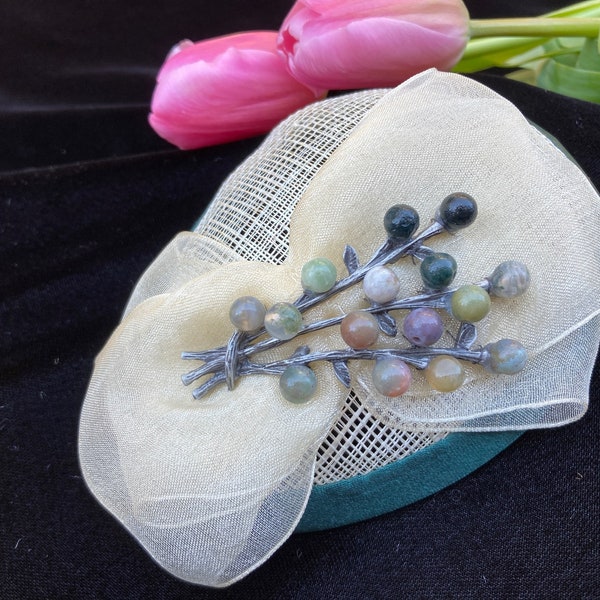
pixel 417 357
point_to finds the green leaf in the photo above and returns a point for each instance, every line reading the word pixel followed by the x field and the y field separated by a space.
pixel 498 51
pixel 589 58
pixel 563 75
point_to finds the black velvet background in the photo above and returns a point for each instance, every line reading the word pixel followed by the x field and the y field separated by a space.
pixel 88 197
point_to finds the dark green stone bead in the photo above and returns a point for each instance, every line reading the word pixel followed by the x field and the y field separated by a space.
pixel 438 270
pixel 400 222
pixel 457 210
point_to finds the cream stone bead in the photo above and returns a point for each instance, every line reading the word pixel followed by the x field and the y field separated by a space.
pixel 381 284
pixel 445 374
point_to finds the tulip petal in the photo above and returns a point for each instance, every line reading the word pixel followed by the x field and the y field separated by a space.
pixel 238 87
pixel 209 50
pixel 356 44
pixel 370 53
pixel 225 89
pixel 414 10
pixel 187 138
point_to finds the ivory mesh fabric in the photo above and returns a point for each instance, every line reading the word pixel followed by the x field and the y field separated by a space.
pixel 211 488
pixel 249 218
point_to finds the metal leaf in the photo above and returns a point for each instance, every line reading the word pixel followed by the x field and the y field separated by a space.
pixel 340 368
pixel 421 252
pixel 419 363
pixel 351 259
pixel 301 351
pixel 303 298
pixel 387 323
pixel 467 336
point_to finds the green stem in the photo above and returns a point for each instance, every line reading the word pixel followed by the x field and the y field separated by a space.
pixel 481 53
pixel 535 26
pixel 581 9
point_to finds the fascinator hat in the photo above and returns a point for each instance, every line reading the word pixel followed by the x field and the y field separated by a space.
pixel 212 477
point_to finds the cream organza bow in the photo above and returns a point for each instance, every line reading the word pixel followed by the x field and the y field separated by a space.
pixel 212 488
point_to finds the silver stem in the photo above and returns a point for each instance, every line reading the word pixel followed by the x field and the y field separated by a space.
pixel 231 361
pixel 434 299
pixel 417 357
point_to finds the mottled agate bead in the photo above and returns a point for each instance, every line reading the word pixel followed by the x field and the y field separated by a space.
pixel 247 313
pixel 400 222
pixel 505 357
pixel 444 373
pixel 298 384
pixel 381 284
pixel 359 329
pixel 457 211
pixel 283 321
pixel 423 326
pixel 470 303
pixel 438 270
pixel 509 279
pixel 391 377
pixel 318 275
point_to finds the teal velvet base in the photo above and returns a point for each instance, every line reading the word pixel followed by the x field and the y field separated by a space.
pixel 398 484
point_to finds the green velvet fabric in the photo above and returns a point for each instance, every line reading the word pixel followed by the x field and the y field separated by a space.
pixel 398 484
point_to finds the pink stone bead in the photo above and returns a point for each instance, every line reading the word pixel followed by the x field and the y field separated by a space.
pixel 359 329
pixel 391 377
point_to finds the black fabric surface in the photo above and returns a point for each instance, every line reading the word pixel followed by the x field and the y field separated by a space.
pixel 88 197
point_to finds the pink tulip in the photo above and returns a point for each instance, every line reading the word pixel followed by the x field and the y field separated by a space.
pixel 225 89
pixel 349 44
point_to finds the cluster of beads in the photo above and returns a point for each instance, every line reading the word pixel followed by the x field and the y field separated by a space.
pixel 422 327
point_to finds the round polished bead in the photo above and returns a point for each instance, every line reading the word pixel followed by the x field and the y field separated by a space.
pixel 318 275
pixel 298 384
pixel 423 326
pixel 444 373
pixel 283 321
pixel 359 329
pixel 391 377
pixel 400 222
pixel 506 357
pixel 438 270
pixel 381 284
pixel 509 279
pixel 470 303
pixel 247 313
pixel 457 211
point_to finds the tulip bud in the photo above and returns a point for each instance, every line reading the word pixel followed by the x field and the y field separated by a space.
pixel 350 44
pixel 225 89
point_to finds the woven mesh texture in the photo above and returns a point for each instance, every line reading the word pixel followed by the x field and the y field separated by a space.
pixel 212 488
pixel 251 212
pixel 358 442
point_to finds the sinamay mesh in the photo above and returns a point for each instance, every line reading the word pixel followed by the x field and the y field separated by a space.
pixel 250 215
pixel 212 488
